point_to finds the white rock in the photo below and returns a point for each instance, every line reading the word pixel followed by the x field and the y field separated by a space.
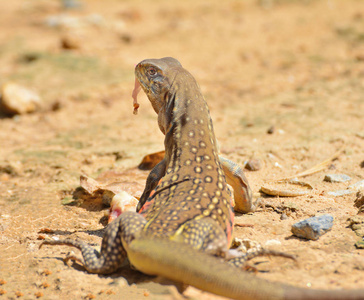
pixel 276 164
pixel 357 186
pixel 272 243
pixel 16 99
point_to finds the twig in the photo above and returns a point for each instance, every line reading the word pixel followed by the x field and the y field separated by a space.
pixel 244 225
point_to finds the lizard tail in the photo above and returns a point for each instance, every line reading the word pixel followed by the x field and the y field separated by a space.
pixel 181 263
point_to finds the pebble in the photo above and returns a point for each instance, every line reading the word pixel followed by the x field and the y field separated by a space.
pixel 313 228
pixel 284 216
pixel 67 21
pixel 339 193
pixel 16 99
pixel 359 244
pixel 350 190
pixel 119 282
pixel 70 42
pixel 332 167
pixel 357 185
pixel 60 21
pixel 362 164
pixel 253 165
pixel 13 168
pixel 71 4
pixel 272 243
pixel 359 201
pixel 278 165
pixel 357 225
pixel 337 178
pixel 271 130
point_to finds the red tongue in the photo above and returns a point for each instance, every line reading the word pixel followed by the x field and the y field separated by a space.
pixel 137 88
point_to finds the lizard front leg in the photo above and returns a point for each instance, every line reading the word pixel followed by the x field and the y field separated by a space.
pixel 118 234
pixel 235 177
pixel 152 181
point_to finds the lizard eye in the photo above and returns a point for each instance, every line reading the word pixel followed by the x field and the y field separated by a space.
pixel 152 71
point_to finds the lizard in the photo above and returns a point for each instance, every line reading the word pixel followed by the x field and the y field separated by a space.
pixel 182 229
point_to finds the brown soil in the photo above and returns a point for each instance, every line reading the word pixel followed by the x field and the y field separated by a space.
pixel 294 65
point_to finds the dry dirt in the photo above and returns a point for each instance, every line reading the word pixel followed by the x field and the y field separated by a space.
pixel 294 65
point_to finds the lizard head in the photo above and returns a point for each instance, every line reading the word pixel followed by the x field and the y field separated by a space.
pixel 155 77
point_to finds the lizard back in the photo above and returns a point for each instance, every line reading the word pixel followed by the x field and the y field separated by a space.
pixel 194 185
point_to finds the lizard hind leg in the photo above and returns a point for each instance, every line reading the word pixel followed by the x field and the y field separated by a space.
pixel 112 253
pixel 204 234
pixel 90 257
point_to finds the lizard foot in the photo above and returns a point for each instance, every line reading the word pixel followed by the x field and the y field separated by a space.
pixel 92 260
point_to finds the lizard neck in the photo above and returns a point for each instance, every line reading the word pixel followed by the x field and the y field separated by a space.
pixel 190 140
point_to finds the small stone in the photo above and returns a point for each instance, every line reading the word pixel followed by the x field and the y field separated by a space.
pixel 332 167
pixel 290 206
pixel 67 201
pixel 119 282
pixel 272 243
pixel 16 99
pixel 359 244
pixel 337 178
pixel 359 201
pixel 357 185
pixel 95 19
pixel 278 165
pixel 284 216
pixel 357 225
pixel 313 228
pixel 29 57
pixel 362 164
pixel 107 197
pixel 271 129
pixel 71 4
pixel 19 294
pixel 63 21
pixel 70 42
pixel 126 38
pixel 13 168
pixel 339 193
pixel 253 165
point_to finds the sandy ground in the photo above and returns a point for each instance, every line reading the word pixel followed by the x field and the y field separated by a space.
pixel 294 65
